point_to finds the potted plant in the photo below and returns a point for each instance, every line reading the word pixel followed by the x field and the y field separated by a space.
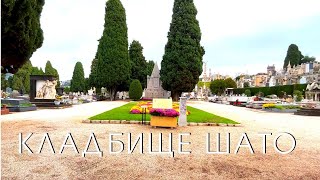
pixel 164 117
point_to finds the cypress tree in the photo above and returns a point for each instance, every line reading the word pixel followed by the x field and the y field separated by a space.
pixel 138 63
pixel 182 62
pixel 113 67
pixel 21 79
pixel 78 80
pixel 93 74
pixel 37 71
pixel 150 66
pixel 21 33
pixel 294 56
pixel 50 70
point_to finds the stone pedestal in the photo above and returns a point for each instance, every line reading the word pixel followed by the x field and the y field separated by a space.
pixel 183 112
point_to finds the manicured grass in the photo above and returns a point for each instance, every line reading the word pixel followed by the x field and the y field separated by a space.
pixel 199 116
pixel 196 115
pixel 120 113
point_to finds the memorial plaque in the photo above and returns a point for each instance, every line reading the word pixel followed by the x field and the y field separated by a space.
pixel 162 103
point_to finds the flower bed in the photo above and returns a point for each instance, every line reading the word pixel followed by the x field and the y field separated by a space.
pixel 281 108
pixel 137 109
pixel 164 112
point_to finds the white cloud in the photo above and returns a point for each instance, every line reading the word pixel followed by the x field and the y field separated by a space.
pixel 72 28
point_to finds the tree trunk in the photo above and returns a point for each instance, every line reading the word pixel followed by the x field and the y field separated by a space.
pixel 115 95
pixel 112 93
pixel 175 95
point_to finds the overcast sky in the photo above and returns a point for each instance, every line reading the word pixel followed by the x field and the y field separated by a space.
pixel 238 36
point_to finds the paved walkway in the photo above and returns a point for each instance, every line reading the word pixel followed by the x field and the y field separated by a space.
pixel 303 163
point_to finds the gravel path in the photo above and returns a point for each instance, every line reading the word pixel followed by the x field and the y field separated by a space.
pixel 302 163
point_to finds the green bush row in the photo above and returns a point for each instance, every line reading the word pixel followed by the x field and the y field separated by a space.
pixel 278 90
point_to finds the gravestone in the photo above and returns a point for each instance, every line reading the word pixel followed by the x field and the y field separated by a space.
pixel 154 85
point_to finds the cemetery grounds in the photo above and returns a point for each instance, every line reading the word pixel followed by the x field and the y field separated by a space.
pixel 302 163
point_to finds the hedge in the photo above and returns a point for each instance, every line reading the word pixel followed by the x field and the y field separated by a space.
pixel 289 89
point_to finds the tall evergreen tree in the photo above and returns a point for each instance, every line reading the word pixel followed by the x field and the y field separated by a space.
pixel 50 70
pixel 113 67
pixel 182 62
pixel 294 56
pixel 150 65
pixel 78 80
pixel 21 33
pixel 138 63
pixel 21 79
pixel 37 71
pixel 93 74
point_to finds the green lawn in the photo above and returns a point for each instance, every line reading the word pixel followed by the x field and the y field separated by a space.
pixel 196 115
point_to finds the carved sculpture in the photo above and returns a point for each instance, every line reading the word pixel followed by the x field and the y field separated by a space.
pixel 48 90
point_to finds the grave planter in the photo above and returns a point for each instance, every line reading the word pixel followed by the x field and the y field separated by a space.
pixel 163 121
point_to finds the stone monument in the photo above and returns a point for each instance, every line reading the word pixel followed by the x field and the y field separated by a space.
pixel 183 112
pixel 154 85
pixel 43 90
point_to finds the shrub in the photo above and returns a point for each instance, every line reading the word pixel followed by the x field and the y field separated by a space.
pixel 247 92
pixel 135 90
pixel 279 107
pixel 298 95
pixel 269 106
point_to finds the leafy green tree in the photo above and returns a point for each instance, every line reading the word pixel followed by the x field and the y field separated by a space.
pixel 307 59
pixel 113 67
pixel 230 83
pixel 246 84
pixel 150 65
pixel 203 84
pixel 78 80
pixel 138 63
pixel 247 92
pixel 294 56
pixel 218 86
pixel 182 61
pixel 50 70
pixel 21 33
pixel 135 90
pixel 66 90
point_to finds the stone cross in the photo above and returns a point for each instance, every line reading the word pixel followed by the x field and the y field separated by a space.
pixel 183 112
